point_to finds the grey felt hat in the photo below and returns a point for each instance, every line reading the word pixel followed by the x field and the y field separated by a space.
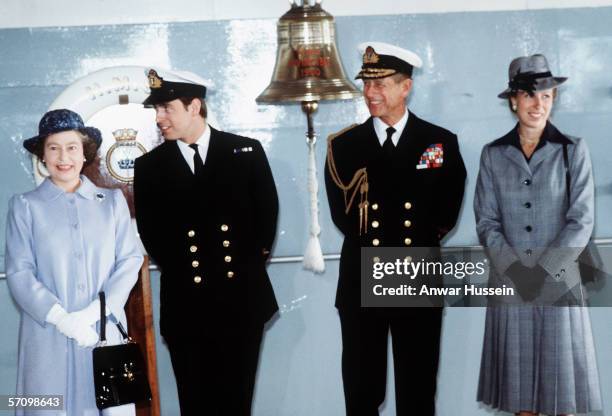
pixel 530 73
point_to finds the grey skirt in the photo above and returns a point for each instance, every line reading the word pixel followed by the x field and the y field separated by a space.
pixel 539 359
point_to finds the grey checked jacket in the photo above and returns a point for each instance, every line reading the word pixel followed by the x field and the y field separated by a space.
pixel 522 211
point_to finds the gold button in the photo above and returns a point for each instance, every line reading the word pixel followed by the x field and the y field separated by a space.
pixel 376 259
pixel 375 242
pixel 374 206
pixel 191 233
pixel 230 274
pixel 407 205
pixel 224 227
pixel 375 224
pixel 407 241
pixel 408 259
pixel 197 279
pixel 195 263
pixel 228 259
pixel 407 223
pixel 193 249
pixel 226 243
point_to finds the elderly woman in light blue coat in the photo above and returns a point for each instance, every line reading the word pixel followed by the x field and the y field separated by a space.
pixel 66 241
pixel 536 358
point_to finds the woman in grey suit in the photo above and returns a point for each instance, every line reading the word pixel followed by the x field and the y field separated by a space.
pixel 537 358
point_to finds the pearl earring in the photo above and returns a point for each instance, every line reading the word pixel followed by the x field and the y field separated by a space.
pixel 84 160
pixel 514 107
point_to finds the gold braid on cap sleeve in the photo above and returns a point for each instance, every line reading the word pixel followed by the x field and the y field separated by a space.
pixel 359 183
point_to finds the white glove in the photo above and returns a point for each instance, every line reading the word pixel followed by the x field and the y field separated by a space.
pixel 55 314
pixel 76 325
pixel 90 314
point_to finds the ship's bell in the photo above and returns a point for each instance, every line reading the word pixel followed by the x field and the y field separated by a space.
pixel 308 67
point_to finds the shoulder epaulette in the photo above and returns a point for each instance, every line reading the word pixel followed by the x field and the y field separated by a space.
pixel 338 133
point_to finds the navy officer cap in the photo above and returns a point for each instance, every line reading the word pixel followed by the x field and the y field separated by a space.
pixel 381 60
pixel 167 86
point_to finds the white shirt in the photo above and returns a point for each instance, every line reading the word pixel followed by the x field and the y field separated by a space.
pixel 203 142
pixel 381 129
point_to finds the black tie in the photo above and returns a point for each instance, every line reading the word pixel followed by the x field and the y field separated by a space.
pixel 198 164
pixel 388 146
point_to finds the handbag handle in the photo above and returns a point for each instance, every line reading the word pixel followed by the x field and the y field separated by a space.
pixel 103 321
pixel 567 173
pixel 567 191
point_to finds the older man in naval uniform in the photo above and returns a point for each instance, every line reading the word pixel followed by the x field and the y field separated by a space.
pixel 206 207
pixel 393 181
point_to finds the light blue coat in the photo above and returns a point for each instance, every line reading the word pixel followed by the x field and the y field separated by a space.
pixel 64 248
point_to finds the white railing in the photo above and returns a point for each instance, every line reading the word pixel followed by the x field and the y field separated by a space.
pixel 336 256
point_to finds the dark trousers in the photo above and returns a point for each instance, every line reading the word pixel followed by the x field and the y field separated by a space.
pixel 415 336
pixel 215 370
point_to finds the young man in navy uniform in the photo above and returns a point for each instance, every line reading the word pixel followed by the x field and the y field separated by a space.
pixel 393 181
pixel 206 207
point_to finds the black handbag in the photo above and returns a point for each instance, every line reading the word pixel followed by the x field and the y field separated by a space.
pixel 120 376
pixel 590 263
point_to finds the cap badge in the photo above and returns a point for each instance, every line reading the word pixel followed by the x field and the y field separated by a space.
pixel 370 56
pixel 154 80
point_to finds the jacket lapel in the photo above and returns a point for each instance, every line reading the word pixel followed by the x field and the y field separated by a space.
pixel 215 151
pixel 542 154
pixel 412 143
pixel 516 157
pixel 370 145
pixel 370 137
pixel 510 151
pixel 176 160
pixel 553 138
pixel 408 134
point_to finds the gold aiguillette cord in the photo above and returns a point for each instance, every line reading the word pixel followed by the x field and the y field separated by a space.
pixel 359 182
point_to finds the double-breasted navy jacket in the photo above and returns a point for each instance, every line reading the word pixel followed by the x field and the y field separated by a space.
pixel 211 234
pixel 412 200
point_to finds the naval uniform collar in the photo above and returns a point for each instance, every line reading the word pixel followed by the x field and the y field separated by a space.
pixel 202 141
pixel 380 127
pixel 203 144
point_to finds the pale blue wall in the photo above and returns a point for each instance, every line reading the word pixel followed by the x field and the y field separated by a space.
pixel 466 57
